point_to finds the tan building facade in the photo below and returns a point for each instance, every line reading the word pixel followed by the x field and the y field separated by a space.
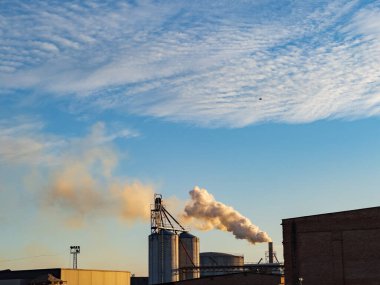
pixel 95 277
pixel 67 276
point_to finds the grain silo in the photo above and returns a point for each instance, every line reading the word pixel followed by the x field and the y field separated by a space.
pixel 188 248
pixel 170 247
pixel 163 257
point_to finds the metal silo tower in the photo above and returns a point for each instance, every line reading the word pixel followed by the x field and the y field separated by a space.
pixel 188 256
pixel 165 245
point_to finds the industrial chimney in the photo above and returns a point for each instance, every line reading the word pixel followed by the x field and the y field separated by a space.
pixel 270 252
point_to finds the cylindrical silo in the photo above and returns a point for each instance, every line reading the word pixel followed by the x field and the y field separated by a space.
pixel 163 257
pixel 188 248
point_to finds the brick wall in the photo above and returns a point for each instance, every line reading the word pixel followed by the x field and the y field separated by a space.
pixel 333 249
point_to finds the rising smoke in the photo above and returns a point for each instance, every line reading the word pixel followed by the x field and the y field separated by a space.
pixel 83 185
pixel 206 213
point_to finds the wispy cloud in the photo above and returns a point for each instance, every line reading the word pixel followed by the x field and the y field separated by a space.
pixel 24 140
pixel 199 62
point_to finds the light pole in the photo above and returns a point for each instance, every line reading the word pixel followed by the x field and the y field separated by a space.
pixel 75 250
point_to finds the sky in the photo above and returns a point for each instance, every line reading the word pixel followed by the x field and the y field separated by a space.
pixel 272 106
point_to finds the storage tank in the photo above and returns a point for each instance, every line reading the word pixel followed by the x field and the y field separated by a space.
pixel 188 248
pixel 220 259
pixel 163 257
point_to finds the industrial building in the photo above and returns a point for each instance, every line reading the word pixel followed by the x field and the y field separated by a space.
pixel 171 247
pixel 55 276
pixel 174 257
pixel 340 248
pixel 219 259
pixel 245 278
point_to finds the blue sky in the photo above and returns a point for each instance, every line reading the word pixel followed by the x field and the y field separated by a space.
pixel 272 106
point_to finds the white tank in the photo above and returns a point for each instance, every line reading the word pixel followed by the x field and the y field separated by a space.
pixel 220 259
pixel 188 248
pixel 163 257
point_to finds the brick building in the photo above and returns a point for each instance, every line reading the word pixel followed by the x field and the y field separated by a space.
pixel 333 249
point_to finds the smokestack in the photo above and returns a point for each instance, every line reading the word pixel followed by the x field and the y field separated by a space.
pixel 270 251
pixel 211 214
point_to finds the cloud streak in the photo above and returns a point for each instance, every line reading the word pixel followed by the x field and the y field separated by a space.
pixel 22 141
pixel 198 62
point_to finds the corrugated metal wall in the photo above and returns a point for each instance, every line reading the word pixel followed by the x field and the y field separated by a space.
pixel 95 277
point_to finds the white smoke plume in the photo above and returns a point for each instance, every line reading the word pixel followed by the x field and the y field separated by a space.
pixel 206 213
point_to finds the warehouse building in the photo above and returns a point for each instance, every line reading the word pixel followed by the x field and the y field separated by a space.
pixel 333 249
pixel 55 276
